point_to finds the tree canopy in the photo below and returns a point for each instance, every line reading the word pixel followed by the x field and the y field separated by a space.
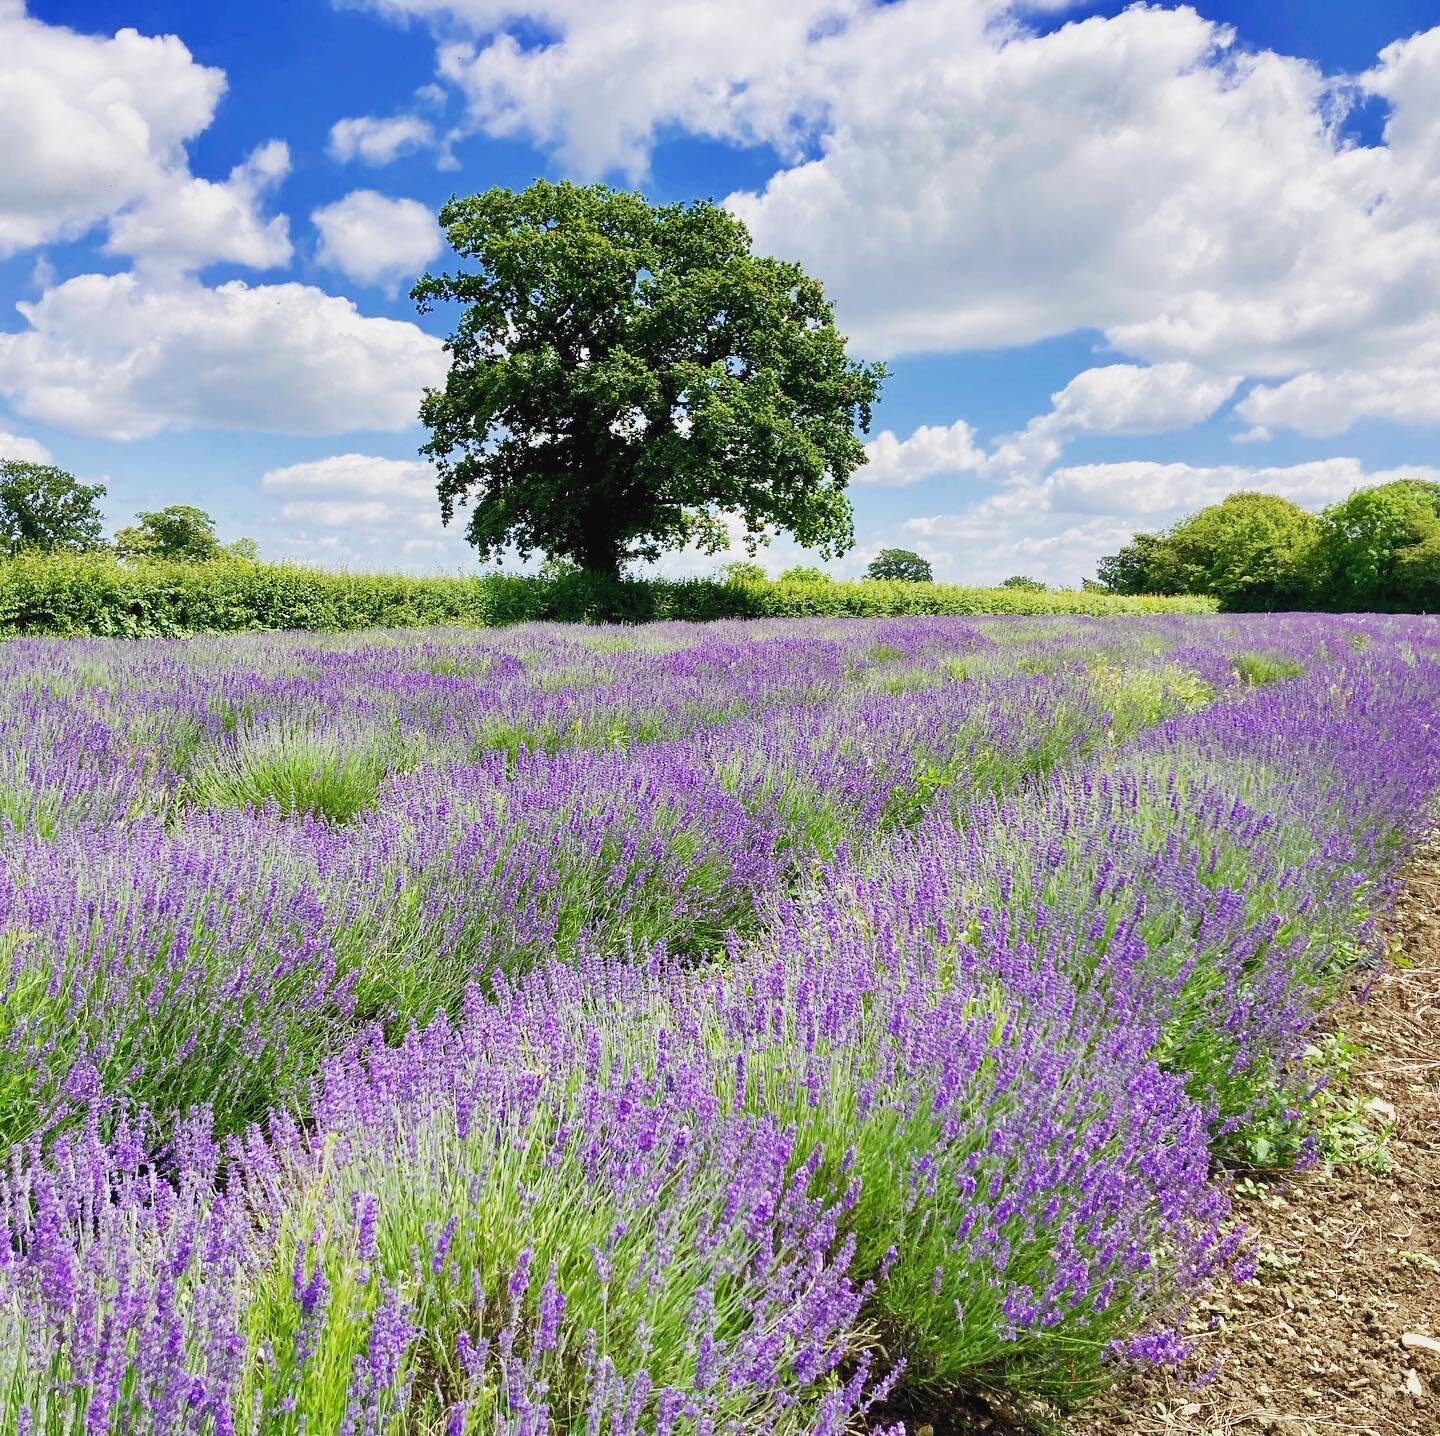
pixel 900 563
pixel 624 376
pixel 1379 548
pixel 740 570
pixel 44 508
pixel 1250 551
pixel 177 531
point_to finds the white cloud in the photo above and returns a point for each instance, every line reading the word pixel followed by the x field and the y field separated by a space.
pixel 1322 403
pixel 32 451
pixel 622 70
pixel 113 356
pixel 358 509
pixel 187 223
pixel 376 141
pixel 373 239
pixel 931 449
pixel 344 513
pixel 960 180
pixel 1058 527
pixel 1135 399
pixel 1136 175
pixel 366 542
pixel 407 480
pixel 1114 399
pixel 1163 492
pixel 89 125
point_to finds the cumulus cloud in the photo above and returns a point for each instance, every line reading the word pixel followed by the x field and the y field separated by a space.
pixel 959 179
pixel 187 223
pixel 1115 399
pixel 1135 399
pixel 1136 175
pixel 1162 492
pixel 931 449
pixel 15 446
pixel 94 130
pixel 618 72
pixel 358 509
pixel 376 141
pixel 373 239
pixel 1061 525
pixel 113 356
pixel 1323 404
pixel 409 481
pixel 90 124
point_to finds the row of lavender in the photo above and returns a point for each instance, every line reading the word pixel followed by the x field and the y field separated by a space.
pixel 945 1114
pixel 186 921
pixel 97 732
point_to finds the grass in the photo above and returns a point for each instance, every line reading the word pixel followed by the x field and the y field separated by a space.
pixel 295 767
pixel 1258 668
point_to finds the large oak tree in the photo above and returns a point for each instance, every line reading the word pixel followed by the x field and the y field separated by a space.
pixel 628 378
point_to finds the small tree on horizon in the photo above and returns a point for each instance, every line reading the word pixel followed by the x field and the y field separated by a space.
pixel 178 531
pixel 242 550
pixel 741 570
pixel 1144 565
pixel 1023 581
pixel 901 564
pixel 625 375
pixel 45 509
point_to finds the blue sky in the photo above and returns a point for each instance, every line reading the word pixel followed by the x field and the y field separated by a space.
pixel 1120 260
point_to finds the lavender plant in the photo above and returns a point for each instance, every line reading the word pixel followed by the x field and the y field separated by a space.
pixel 665 1029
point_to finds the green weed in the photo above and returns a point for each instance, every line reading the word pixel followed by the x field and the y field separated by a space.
pixel 1260 668
pixel 299 769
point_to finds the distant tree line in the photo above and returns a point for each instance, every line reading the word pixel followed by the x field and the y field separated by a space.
pixel 45 510
pixel 1378 549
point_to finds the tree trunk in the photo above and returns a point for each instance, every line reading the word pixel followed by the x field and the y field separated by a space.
pixel 604 561
pixel 599 548
pixel 600 554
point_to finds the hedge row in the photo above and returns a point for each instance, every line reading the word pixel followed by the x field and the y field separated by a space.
pixel 97 595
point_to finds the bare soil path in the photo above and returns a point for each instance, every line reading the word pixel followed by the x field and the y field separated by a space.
pixel 1340 1333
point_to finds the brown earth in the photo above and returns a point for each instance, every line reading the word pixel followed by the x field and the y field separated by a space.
pixel 1340 1331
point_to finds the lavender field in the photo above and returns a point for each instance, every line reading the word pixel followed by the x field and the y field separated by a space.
pixel 764 1027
